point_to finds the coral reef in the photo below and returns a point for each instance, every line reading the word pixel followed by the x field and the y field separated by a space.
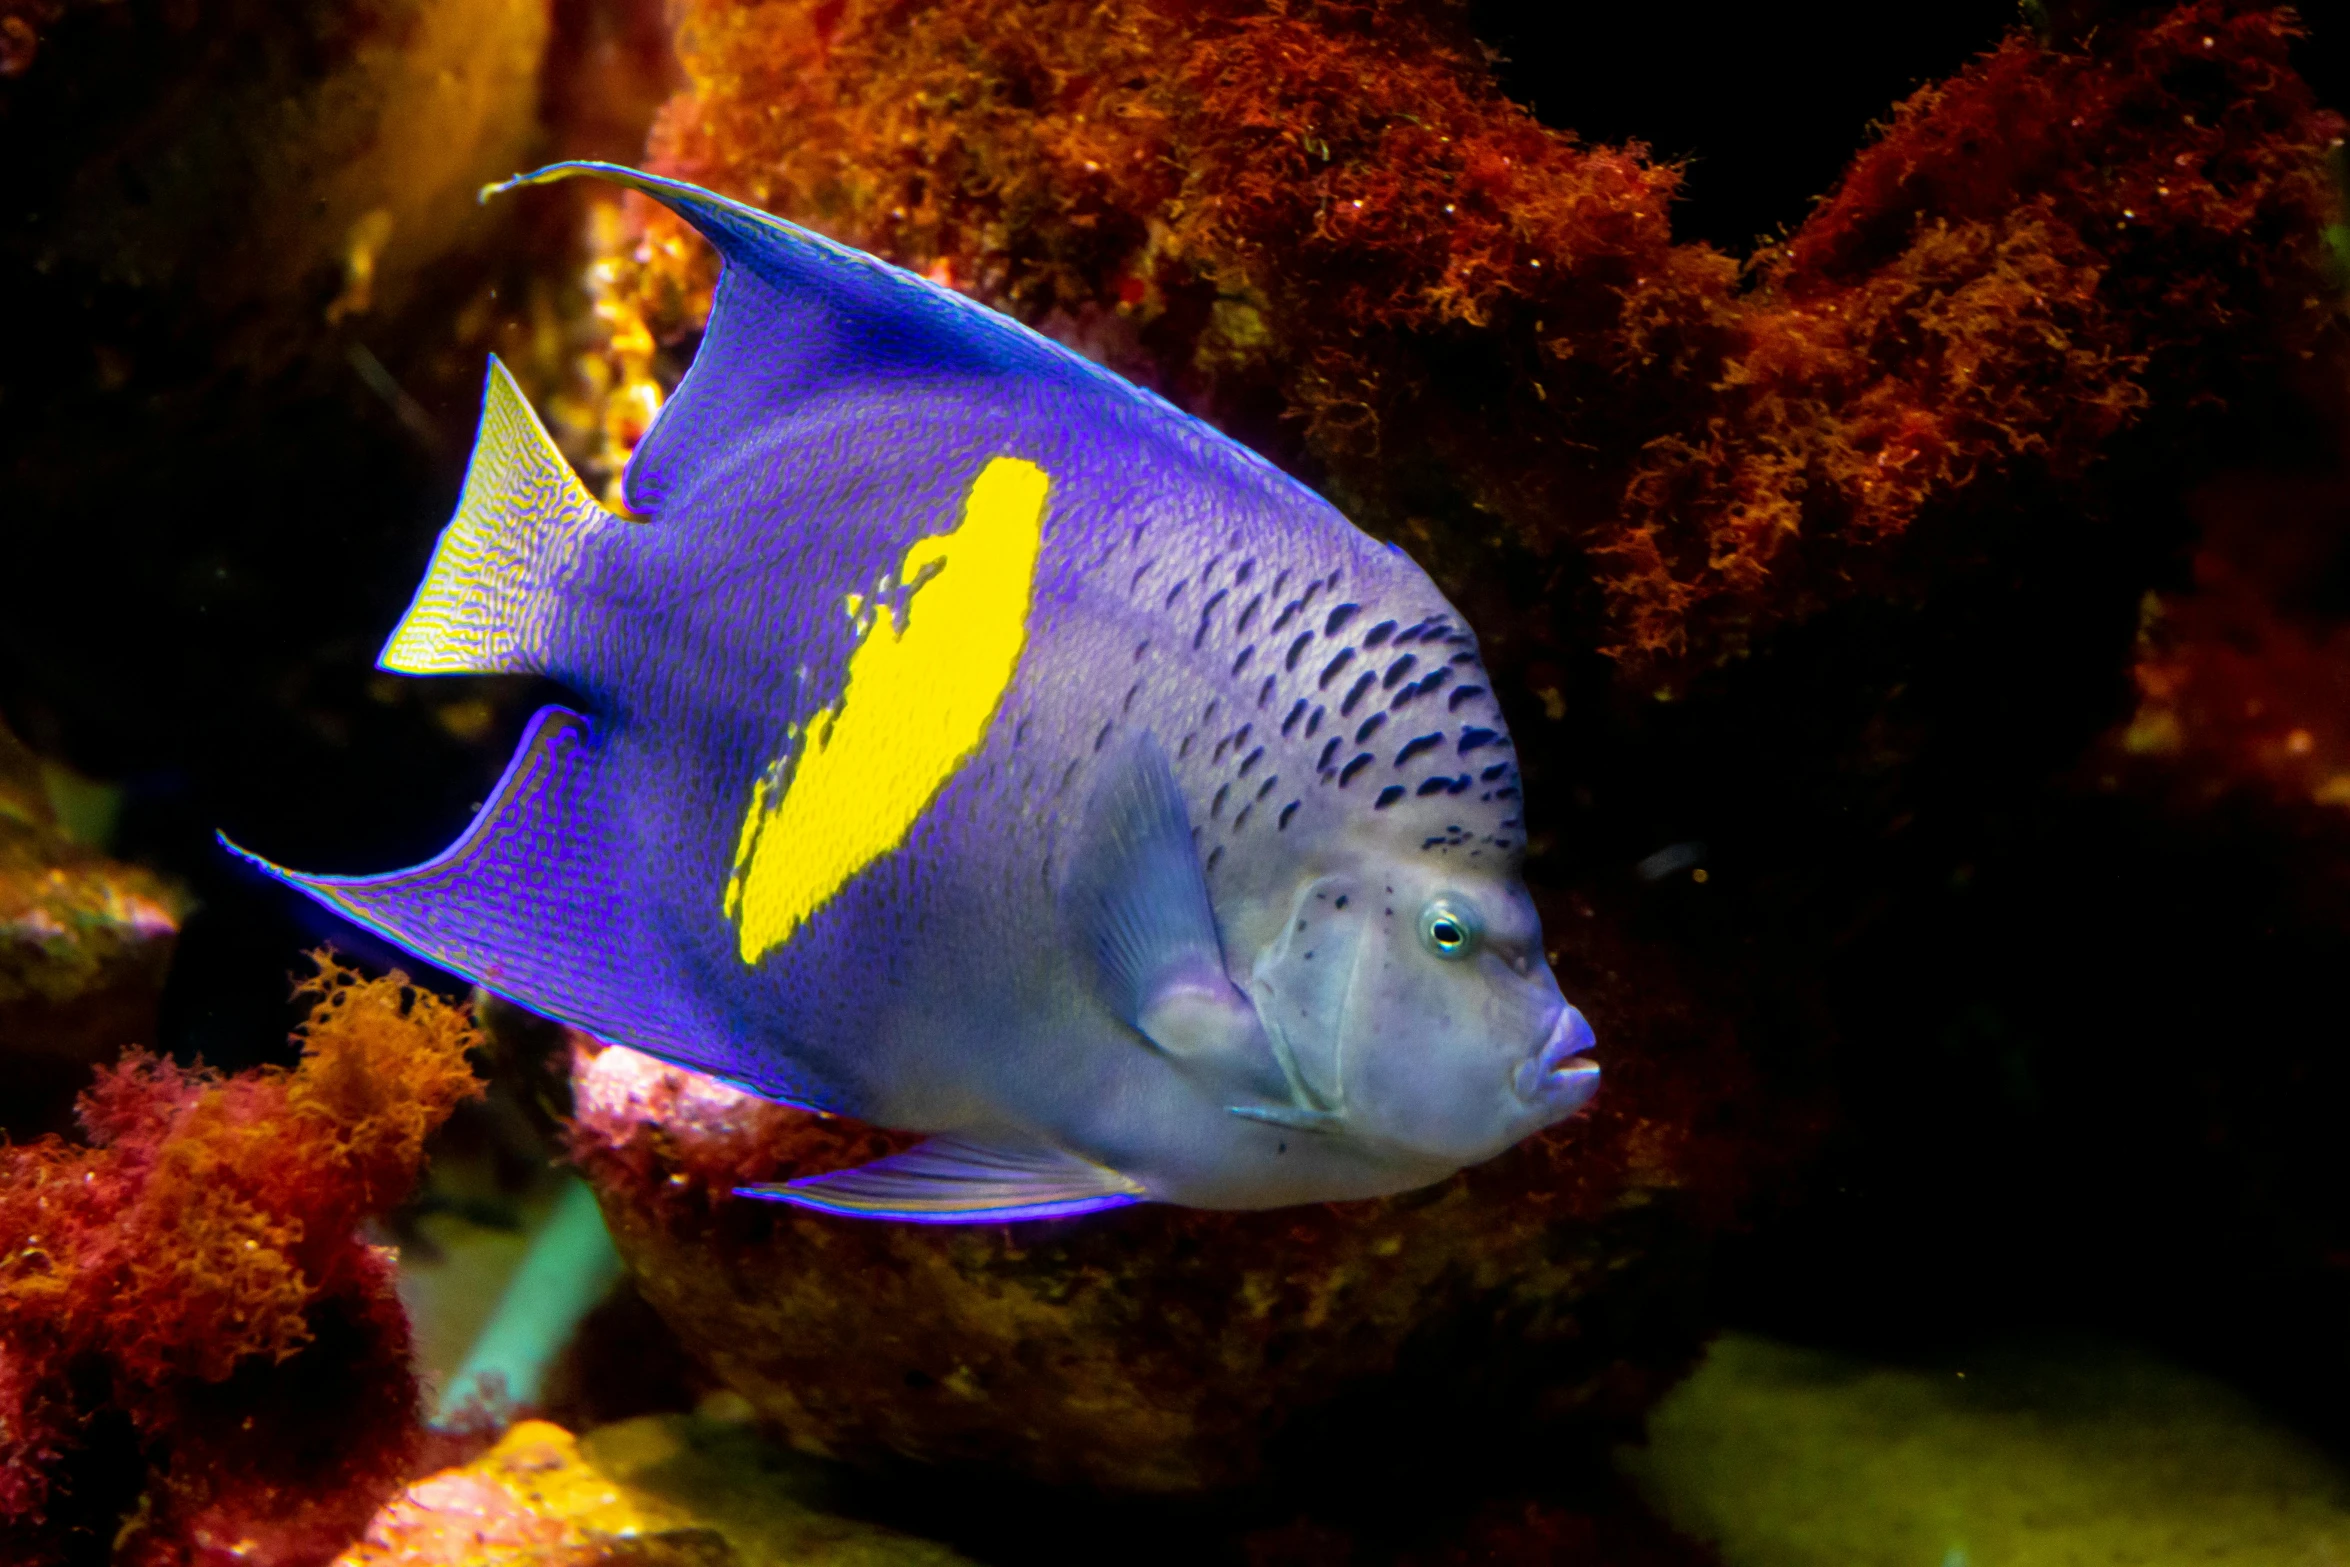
pixel 84 944
pixel 1322 226
pixel 2074 1452
pixel 199 1353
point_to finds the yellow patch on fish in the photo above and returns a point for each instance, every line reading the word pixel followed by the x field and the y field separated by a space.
pixel 923 685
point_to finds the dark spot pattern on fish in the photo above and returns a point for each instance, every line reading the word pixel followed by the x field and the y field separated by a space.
pixel 1126 708
pixel 1328 752
pixel 1315 722
pixel 1369 727
pixel 1460 695
pixel 1241 662
pixel 1387 797
pixel 1266 787
pixel 1176 592
pixel 1476 739
pixel 1297 649
pixel 1419 688
pixel 1103 738
pixel 1493 772
pixel 1339 616
pixel 1216 807
pixel 1207 613
pixel 1417 745
pixel 1248 616
pixel 1240 817
pixel 1251 760
pixel 1265 691
pixel 1443 785
pixel 1396 671
pixel 1215 857
pixel 1346 709
pixel 1281 822
pixel 1346 656
pixel 1296 712
pixel 1347 773
pixel 1378 634
pixel 1289 612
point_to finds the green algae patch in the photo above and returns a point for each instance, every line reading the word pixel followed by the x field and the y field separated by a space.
pixel 2068 1456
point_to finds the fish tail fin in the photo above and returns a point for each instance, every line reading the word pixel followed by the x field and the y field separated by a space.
pixel 491 600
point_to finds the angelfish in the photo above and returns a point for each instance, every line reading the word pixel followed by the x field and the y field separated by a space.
pixel 972 743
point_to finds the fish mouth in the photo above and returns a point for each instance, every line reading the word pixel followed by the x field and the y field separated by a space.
pixel 1553 1079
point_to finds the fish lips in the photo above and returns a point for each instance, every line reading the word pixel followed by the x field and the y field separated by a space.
pixel 1554 1080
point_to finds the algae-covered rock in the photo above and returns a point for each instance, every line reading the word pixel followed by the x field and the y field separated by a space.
pixel 658 1491
pixel 2082 1455
pixel 85 942
pixel 1160 1349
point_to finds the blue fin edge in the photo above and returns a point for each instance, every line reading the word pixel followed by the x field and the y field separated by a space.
pixel 817 1202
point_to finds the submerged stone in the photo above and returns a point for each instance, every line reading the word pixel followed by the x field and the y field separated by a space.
pixel 2083 1454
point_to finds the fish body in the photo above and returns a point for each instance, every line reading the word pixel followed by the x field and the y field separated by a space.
pixel 972 743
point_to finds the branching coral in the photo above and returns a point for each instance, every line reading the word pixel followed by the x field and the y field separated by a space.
pixel 192 1330
pixel 1321 224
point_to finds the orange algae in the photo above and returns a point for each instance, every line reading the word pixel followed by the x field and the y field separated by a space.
pixel 198 1352
pixel 1323 226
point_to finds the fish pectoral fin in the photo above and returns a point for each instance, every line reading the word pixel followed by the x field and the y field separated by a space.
pixel 1136 902
pixel 957 1180
pixel 1199 1016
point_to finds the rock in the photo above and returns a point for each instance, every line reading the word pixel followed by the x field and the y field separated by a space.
pixel 85 943
pixel 1166 1350
pixel 2084 1454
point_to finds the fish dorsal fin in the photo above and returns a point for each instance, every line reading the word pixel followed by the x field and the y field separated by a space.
pixel 1137 903
pixel 958 1180
pixel 493 598
pixel 796 314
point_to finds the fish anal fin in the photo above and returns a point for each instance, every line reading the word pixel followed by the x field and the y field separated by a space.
pixel 956 1180
pixel 494 594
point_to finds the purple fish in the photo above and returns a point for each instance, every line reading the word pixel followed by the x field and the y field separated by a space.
pixel 971 743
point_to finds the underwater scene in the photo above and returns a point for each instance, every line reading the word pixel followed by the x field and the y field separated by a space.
pixel 1292 783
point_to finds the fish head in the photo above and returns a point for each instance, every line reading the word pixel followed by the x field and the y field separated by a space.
pixel 1408 1002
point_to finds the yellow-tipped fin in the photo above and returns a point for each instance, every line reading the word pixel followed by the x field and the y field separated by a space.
pixel 493 597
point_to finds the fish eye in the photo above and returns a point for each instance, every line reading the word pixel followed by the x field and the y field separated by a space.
pixel 1448 930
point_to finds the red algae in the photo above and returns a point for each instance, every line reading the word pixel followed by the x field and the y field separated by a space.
pixel 202 1357
pixel 1324 227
